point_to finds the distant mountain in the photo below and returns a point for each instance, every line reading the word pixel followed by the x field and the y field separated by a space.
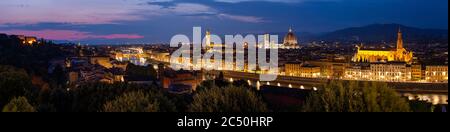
pixel 386 33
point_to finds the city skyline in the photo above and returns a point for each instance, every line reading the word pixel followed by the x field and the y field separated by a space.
pixel 243 56
pixel 156 21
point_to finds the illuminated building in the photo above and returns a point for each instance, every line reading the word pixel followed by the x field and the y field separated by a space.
pixel 81 71
pixel 302 70
pixel 20 37
pixel 170 79
pixel 30 40
pixel 397 72
pixel 26 40
pixel 416 72
pixel 393 72
pixel 331 69
pixel 438 73
pixel 400 54
pixel 101 60
pixel 160 56
pixel 393 65
pixel 133 55
pixel 358 73
pixel 290 40
pixel 212 46
pixel 390 72
pixel 118 64
pixel 118 74
pixel 268 43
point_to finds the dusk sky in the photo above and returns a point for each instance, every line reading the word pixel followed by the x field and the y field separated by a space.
pixel 153 21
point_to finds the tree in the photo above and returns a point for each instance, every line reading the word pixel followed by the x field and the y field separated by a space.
pixel 418 105
pixel 139 102
pixel 134 71
pixel 227 99
pixel 19 104
pixel 241 83
pixel 207 84
pixel 339 96
pixel 13 82
pixel 91 97
pixel 59 75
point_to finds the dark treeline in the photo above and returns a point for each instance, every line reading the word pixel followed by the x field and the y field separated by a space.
pixel 33 58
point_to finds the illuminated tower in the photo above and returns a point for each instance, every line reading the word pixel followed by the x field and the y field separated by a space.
pixel 207 41
pixel 399 40
pixel 208 38
pixel 266 40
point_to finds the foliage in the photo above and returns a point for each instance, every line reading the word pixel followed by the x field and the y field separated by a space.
pixel 241 83
pixel 139 102
pixel 339 96
pixel 181 101
pixel 59 76
pixel 227 99
pixel 34 59
pixel 92 97
pixel 418 105
pixel 214 83
pixel 134 71
pixel 25 61
pixel 19 104
pixel 13 82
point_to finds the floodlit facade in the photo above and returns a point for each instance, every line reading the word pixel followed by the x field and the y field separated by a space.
pixel 436 74
pixel 302 70
pixel 400 54
pixel 290 40
pixel 393 72
pixel 133 55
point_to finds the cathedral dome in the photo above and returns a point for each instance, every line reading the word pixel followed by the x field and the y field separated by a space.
pixel 290 39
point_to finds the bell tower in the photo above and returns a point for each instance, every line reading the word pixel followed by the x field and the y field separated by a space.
pixel 399 39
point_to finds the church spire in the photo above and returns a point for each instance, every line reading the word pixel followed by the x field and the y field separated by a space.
pixel 208 37
pixel 399 39
pixel 290 29
pixel 208 32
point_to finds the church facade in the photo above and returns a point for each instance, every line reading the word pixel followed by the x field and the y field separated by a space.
pixel 399 54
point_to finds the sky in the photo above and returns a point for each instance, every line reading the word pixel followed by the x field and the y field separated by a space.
pixel 156 21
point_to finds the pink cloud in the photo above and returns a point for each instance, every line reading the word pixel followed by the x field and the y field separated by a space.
pixel 248 19
pixel 70 11
pixel 119 36
pixel 70 34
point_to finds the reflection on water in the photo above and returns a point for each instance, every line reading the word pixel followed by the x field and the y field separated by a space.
pixel 432 98
pixel 139 62
pixel 135 56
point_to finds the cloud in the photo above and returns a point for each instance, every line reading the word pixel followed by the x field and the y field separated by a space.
pixel 73 11
pixel 239 1
pixel 70 34
pixel 26 12
pixel 204 11
pixel 190 9
pixel 249 19
pixel 276 1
